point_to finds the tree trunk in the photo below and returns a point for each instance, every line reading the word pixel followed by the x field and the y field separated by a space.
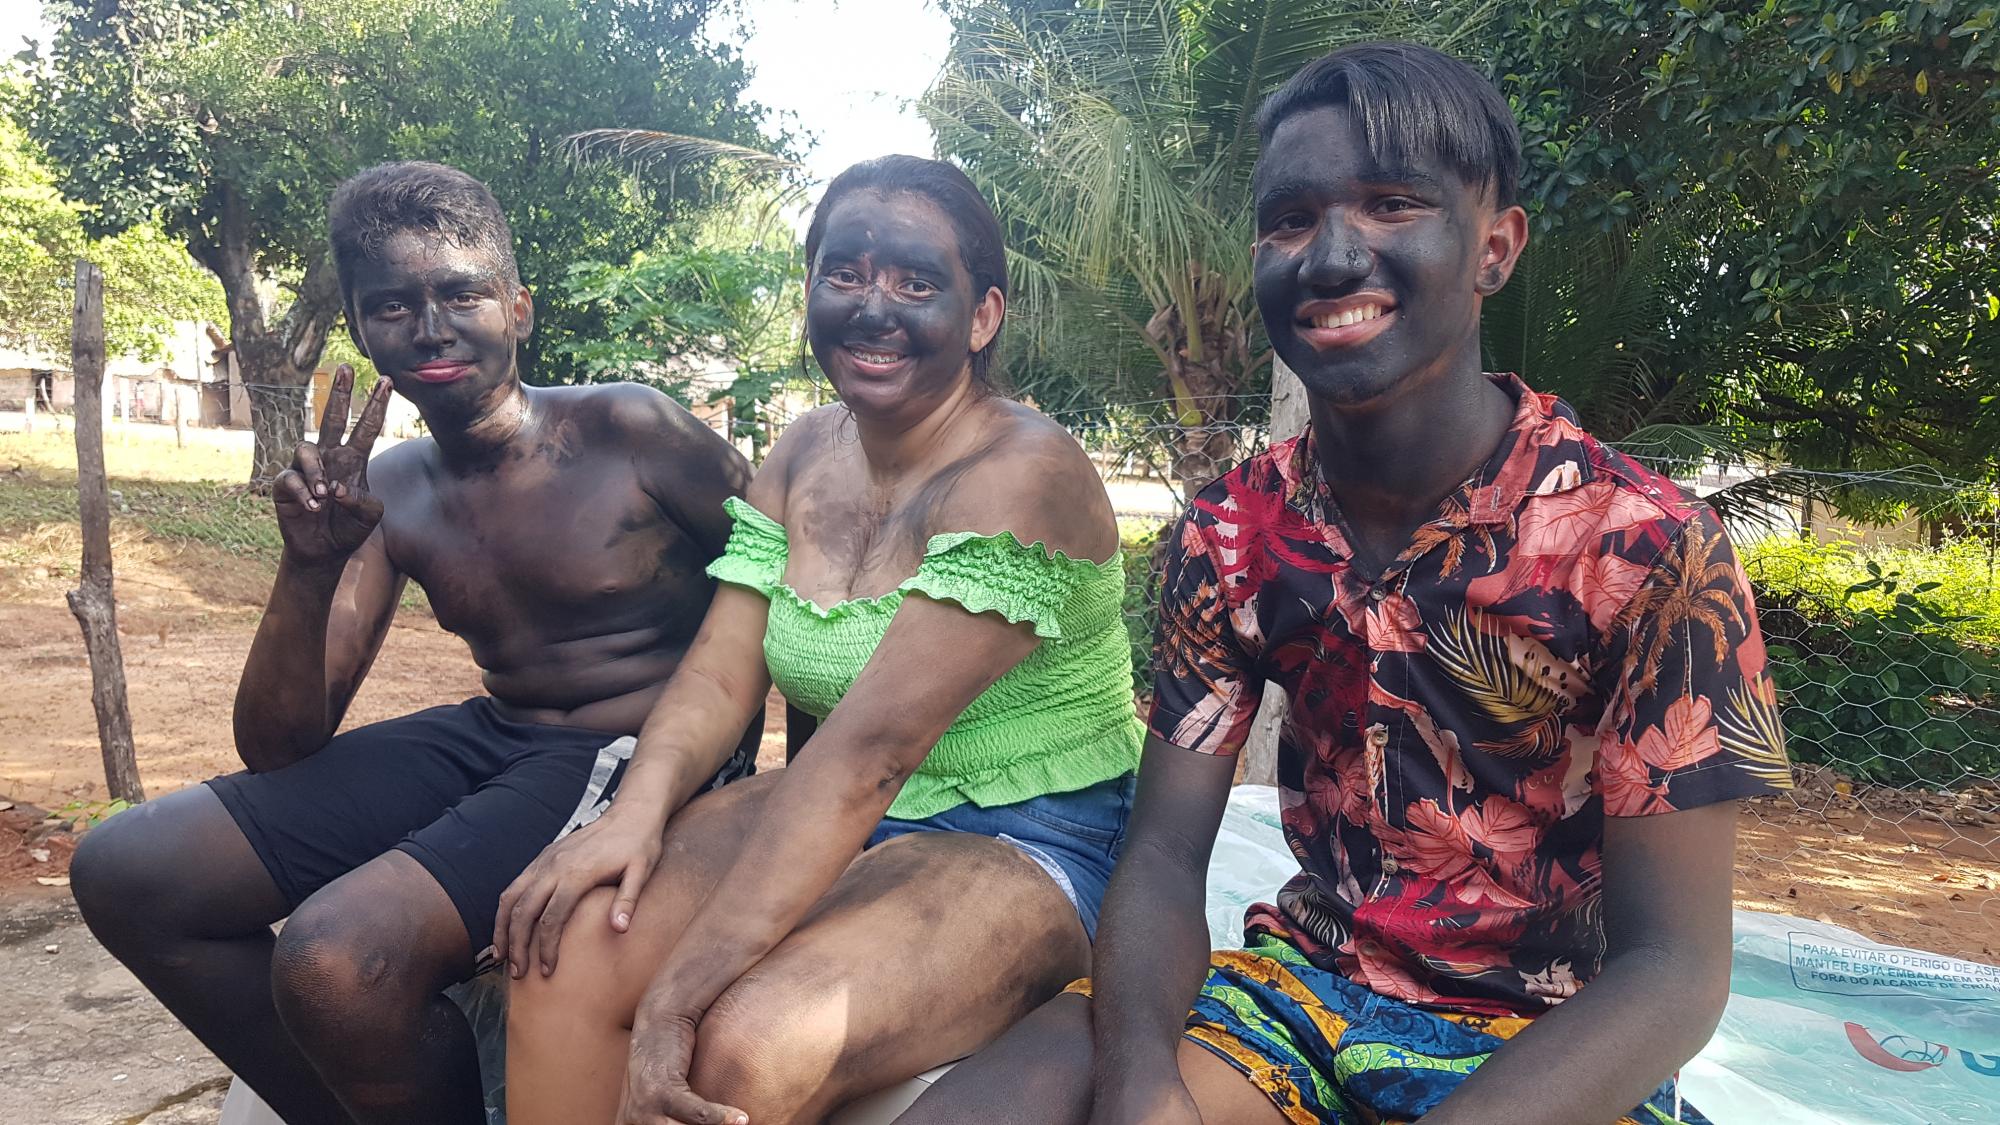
pixel 275 362
pixel 280 399
pixel 1289 414
pixel 1205 348
pixel 1202 453
pixel 93 601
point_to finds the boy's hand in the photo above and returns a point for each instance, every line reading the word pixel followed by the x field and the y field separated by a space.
pixel 324 508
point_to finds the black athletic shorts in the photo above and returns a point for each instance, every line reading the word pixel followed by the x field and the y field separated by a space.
pixel 469 794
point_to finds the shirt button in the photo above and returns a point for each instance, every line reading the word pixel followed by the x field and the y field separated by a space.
pixel 1378 593
pixel 1389 865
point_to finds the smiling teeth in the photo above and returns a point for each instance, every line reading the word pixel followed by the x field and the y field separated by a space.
pixel 1351 316
pixel 875 357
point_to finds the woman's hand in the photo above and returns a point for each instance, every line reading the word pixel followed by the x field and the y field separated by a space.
pixel 656 1074
pixel 619 851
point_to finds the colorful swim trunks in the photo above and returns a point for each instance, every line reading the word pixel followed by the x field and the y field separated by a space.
pixel 1325 1049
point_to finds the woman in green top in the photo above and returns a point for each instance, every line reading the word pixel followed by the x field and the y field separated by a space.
pixel 932 570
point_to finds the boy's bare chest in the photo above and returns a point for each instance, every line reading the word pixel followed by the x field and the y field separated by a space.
pixel 570 545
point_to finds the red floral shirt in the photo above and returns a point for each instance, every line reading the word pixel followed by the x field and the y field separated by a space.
pixel 1570 638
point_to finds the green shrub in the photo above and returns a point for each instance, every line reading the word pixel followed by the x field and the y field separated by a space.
pixel 1879 680
pixel 1142 595
pixel 1960 580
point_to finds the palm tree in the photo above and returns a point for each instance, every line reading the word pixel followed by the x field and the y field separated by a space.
pixel 1117 142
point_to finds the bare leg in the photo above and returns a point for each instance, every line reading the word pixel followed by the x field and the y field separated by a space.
pixel 568 1034
pixel 926 949
pixel 358 976
pixel 1039 1074
pixel 173 889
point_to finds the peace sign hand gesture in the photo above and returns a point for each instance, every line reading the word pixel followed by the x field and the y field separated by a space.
pixel 324 509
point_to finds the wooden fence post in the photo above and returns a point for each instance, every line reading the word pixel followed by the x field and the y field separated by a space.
pixel 92 601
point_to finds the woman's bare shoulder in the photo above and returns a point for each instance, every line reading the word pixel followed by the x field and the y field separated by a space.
pixel 1031 477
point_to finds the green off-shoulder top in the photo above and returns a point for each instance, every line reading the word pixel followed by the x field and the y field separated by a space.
pixel 1058 721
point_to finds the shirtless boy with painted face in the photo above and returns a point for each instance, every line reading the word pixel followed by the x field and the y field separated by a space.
pixel 563 533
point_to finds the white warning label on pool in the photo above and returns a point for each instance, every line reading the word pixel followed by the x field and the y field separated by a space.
pixel 1820 964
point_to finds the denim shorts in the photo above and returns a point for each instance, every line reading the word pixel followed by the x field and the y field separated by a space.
pixel 1075 836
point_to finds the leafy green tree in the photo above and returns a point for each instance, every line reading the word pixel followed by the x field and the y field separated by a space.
pixel 150 282
pixel 232 121
pixel 707 314
pixel 1764 228
pixel 1809 190
pixel 1118 140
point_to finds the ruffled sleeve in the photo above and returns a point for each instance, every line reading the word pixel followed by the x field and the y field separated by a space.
pixel 755 556
pixel 999 574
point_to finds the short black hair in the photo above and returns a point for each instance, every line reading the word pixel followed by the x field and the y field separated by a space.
pixel 1411 101
pixel 981 245
pixel 415 195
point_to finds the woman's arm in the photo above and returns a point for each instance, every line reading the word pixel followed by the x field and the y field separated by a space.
pixel 698 719
pixel 935 659
pixel 693 728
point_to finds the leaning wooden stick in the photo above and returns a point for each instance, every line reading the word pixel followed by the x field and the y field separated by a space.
pixel 92 601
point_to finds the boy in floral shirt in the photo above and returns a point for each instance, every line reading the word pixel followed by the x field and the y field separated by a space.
pixel 1527 691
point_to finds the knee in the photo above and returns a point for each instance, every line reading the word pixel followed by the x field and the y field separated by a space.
pixel 335 975
pixel 125 876
pixel 769 1051
pixel 594 977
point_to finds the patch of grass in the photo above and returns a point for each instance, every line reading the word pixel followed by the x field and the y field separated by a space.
pixel 39 525
pixel 1142 589
pixel 227 516
pixel 134 452
pixel 168 492
pixel 1133 529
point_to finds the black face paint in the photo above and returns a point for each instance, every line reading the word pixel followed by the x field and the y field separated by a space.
pixel 437 318
pixel 1365 275
pixel 890 308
